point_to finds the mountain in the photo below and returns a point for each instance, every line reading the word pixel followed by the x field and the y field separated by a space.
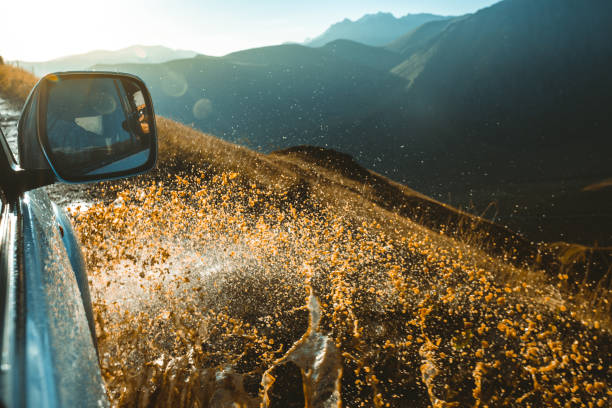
pixel 273 97
pixel 511 105
pixel 508 106
pixel 421 37
pixel 133 54
pixel 373 29
pixel 364 55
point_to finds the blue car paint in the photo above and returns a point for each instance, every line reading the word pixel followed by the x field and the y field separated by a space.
pixel 62 365
pixel 75 255
pixel 10 358
pixel 72 245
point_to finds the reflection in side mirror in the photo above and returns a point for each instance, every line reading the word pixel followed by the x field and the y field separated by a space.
pixel 96 126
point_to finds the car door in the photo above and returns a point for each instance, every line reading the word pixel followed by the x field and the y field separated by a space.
pixel 60 353
pixel 48 358
pixel 12 329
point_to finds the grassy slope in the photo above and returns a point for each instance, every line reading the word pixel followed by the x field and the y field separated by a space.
pixel 383 276
pixel 15 83
pixel 332 177
pixel 418 316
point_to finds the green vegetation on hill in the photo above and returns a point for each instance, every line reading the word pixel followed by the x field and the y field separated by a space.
pixel 363 55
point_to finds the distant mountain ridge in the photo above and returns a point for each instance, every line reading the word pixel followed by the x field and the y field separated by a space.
pixel 290 91
pixel 133 54
pixel 373 29
pixel 507 105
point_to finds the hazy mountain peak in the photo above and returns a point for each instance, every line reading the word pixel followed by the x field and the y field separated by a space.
pixel 373 29
pixel 132 54
pixel 379 15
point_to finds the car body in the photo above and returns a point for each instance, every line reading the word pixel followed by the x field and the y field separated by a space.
pixel 48 353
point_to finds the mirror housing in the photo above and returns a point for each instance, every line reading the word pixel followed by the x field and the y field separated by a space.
pixel 88 127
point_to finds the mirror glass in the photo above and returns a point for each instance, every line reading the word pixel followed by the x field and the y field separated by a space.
pixel 96 126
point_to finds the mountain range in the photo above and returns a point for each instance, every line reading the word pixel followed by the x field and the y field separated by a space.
pixel 133 54
pixel 507 106
pixel 373 29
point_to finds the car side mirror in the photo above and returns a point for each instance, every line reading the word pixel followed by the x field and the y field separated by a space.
pixel 92 126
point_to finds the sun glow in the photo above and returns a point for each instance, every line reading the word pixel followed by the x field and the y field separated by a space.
pixel 67 27
pixel 40 30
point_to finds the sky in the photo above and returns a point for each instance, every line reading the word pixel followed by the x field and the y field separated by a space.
pixel 40 30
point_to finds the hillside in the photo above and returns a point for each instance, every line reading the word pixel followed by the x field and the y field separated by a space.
pixel 373 29
pixel 524 106
pixel 505 102
pixel 299 278
pixel 133 54
pixel 273 97
pixel 363 55
pixel 252 235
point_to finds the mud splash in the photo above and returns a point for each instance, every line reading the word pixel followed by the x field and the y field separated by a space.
pixel 319 361
pixel 210 291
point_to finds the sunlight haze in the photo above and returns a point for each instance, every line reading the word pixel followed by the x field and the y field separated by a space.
pixel 42 30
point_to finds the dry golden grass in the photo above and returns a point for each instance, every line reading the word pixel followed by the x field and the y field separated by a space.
pixel 333 178
pixel 16 83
